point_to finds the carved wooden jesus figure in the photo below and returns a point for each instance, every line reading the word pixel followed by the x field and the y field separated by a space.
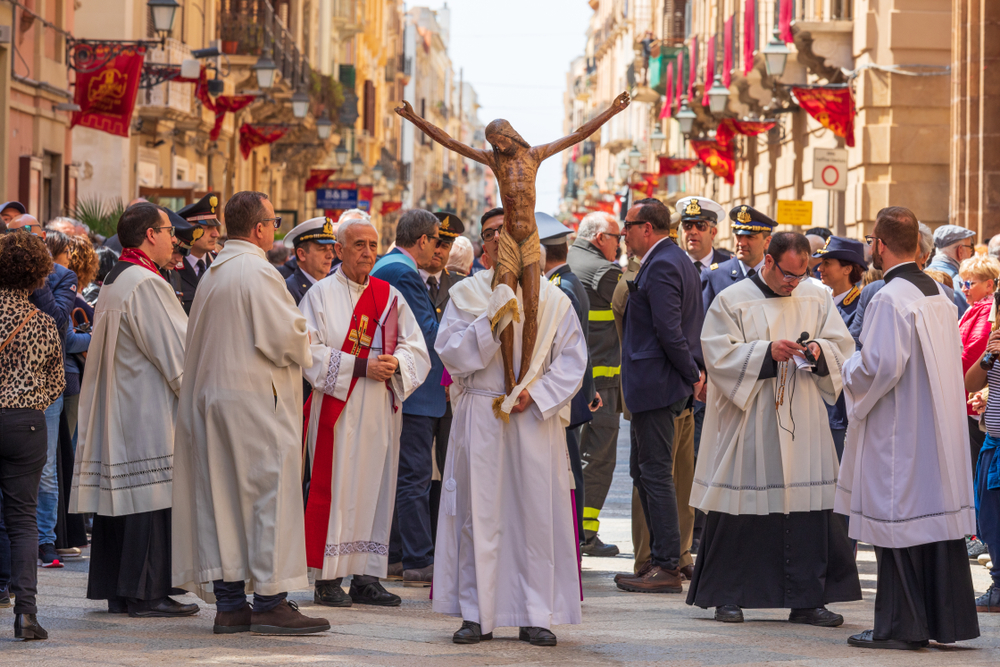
pixel 515 164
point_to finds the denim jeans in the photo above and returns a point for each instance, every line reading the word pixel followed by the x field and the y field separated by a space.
pixel 48 488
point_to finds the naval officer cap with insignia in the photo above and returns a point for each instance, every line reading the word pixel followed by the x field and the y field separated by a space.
pixel 753 234
pixel 699 217
pixel 312 242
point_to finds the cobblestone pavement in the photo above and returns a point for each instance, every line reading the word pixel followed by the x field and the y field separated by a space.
pixel 618 628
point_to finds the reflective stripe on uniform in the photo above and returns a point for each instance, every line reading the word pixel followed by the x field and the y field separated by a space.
pixel 607 371
pixel 590 521
pixel 602 315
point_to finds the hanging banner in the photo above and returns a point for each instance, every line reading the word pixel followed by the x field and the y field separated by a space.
pixel 717 158
pixel 647 185
pixel 752 128
pixel 832 106
pixel 252 136
pixel 680 78
pixel 749 34
pixel 725 132
pixel 727 55
pixel 668 101
pixel 390 207
pixel 365 196
pixel 785 21
pixel 318 177
pixel 693 62
pixel 107 95
pixel 672 166
pixel 709 69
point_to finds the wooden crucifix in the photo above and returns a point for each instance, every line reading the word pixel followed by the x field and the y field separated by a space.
pixel 515 164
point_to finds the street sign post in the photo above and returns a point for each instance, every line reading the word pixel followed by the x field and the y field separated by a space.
pixel 830 169
pixel 336 198
pixel 794 212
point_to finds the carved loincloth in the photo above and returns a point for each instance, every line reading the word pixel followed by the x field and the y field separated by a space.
pixel 514 256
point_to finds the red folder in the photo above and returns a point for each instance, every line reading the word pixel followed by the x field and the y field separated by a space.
pixel 390 332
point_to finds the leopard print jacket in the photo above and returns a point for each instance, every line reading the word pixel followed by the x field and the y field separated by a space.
pixel 31 366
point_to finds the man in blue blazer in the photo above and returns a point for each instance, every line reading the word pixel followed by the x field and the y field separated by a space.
pixel 417 239
pixel 662 371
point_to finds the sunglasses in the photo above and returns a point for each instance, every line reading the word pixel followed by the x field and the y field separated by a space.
pixel 701 225
pixel 276 219
pixel 967 284
pixel 616 237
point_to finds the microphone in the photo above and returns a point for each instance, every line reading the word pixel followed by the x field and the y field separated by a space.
pixel 803 339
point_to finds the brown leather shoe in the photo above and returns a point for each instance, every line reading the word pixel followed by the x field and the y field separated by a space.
pixel 657 580
pixel 688 572
pixel 286 619
pixel 228 622
pixel 638 575
pixel 421 578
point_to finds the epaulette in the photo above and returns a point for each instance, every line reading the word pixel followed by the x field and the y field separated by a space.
pixel 713 267
pixel 851 296
pixel 556 279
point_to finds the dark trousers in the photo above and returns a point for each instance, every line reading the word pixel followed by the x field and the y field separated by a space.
pixel 4 551
pixel 130 557
pixel 976 440
pixel 232 595
pixel 699 516
pixel 576 465
pixel 414 545
pixel 442 432
pixel 599 453
pixel 23 452
pixel 651 464
pixel 839 435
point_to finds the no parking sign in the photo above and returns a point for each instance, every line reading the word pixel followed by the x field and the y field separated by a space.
pixel 830 169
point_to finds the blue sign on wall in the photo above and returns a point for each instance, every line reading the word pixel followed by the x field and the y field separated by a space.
pixel 337 199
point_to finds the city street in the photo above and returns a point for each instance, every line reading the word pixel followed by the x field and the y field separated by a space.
pixel 618 628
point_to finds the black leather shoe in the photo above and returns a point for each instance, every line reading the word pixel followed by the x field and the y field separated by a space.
pixel 470 633
pixel 118 606
pixel 820 616
pixel 537 636
pixel 331 595
pixel 162 608
pixel 593 546
pixel 374 594
pixel 26 627
pixel 729 613
pixel 867 640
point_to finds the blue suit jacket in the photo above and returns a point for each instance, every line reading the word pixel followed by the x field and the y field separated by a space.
pixel 429 399
pixel 572 287
pixel 661 333
pixel 715 280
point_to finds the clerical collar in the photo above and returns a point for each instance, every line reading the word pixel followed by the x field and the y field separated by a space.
pixel 706 261
pixel 900 269
pixel 757 268
pixel 550 272
pixel 759 282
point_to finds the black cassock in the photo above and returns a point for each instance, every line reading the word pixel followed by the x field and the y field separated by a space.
pixel 130 557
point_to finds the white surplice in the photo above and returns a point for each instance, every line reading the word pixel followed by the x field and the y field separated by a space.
pixel 506 552
pixel 750 463
pixel 366 436
pixel 906 475
pixel 237 513
pixel 128 398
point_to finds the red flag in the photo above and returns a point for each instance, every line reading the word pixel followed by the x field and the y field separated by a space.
pixel 228 104
pixel 606 206
pixel 365 196
pixel 107 95
pixel 709 69
pixel 727 56
pixel 717 158
pixel 680 78
pixel 668 101
pixel 785 21
pixel 252 136
pixel 671 166
pixel 390 206
pixel 579 216
pixel 318 177
pixel 693 69
pixel 752 128
pixel 749 34
pixel 832 106
pixel 725 132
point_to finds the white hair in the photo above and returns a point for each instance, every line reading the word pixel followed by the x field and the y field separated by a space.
pixel 925 240
pixel 353 222
pixel 593 224
pixel 461 255
pixel 994 246
pixel 353 214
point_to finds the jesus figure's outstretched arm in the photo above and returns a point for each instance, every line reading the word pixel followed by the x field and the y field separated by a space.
pixel 442 137
pixel 548 150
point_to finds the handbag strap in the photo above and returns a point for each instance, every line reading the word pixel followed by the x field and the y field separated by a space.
pixel 16 330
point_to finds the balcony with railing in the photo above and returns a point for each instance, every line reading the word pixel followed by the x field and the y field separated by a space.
pixel 824 31
pixel 171 98
pixel 251 27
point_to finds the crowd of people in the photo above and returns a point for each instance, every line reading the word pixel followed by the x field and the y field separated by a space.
pixel 228 415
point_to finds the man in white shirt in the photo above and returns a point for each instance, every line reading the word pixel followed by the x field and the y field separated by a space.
pixel 700 229
pixel 203 214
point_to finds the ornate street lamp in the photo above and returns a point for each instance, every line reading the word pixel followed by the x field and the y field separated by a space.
pixel 658 138
pixel 775 55
pixel 376 173
pixel 685 117
pixel 609 181
pixel 634 157
pixel 324 126
pixel 163 12
pixel 623 170
pixel 300 104
pixel 357 165
pixel 265 70
pixel 718 96
pixel 341 154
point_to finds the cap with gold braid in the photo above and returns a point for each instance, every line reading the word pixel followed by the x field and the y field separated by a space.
pixel 694 209
pixel 747 220
pixel 451 226
pixel 319 230
pixel 203 211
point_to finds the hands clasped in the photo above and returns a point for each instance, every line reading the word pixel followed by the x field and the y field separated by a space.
pixel 382 368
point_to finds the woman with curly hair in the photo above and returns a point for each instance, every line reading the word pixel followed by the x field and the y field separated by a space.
pixel 31 379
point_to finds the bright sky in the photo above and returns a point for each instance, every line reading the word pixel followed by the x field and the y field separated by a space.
pixel 516 54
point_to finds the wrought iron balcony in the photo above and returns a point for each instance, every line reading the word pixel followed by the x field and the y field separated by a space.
pixel 248 27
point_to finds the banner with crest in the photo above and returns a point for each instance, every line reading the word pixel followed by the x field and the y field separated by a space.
pixel 832 106
pixel 718 158
pixel 107 93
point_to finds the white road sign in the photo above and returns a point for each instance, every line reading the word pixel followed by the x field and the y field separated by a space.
pixel 830 169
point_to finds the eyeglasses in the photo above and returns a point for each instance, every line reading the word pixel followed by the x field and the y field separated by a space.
pixel 489 234
pixel 172 232
pixel 277 221
pixel 616 237
pixel 701 225
pixel 791 277
pixel 971 247
pixel 632 224
pixel 967 284
pixel 438 241
pixel 869 239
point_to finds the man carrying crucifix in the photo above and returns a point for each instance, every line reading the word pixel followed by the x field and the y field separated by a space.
pixel 515 164
pixel 354 421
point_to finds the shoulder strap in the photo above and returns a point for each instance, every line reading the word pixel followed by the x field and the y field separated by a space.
pixel 17 329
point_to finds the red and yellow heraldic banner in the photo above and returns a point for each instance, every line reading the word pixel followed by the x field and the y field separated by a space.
pixel 716 157
pixel 107 95
pixel 832 106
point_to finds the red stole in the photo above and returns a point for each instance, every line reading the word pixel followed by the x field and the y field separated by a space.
pixel 366 317
pixel 139 258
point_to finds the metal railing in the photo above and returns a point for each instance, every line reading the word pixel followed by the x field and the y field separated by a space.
pixel 249 27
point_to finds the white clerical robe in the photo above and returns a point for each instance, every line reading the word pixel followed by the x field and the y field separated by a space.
pixel 238 512
pixel 128 397
pixel 906 477
pixel 756 459
pixel 366 437
pixel 506 552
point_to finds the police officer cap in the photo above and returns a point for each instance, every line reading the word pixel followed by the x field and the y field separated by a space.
pixel 550 230
pixel 699 208
pixel 319 230
pixel 451 226
pixel 185 234
pixel 203 211
pixel 844 250
pixel 946 235
pixel 747 220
